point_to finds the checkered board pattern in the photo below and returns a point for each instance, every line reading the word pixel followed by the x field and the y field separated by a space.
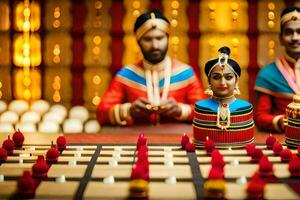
pixel 174 173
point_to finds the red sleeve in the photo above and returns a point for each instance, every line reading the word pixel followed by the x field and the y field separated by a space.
pixel 114 95
pixel 263 113
pixel 195 92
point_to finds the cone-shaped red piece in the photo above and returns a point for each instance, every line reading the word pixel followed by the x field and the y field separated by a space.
pixel 26 186
pixel 142 141
pixel 52 155
pixel 61 143
pixel 190 147
pixel 18 138
pixel 9 146
pixel 40 168
pixel 3 155
pixel 217 161
pixel 215 173
pixel 184 140
pixel 277 148
pixel 265 167
pixel 250 149
pixel 256 155
pixel 294 166
pixel 285 155
pixel 270 141
pixel 255 189
pixel 209 146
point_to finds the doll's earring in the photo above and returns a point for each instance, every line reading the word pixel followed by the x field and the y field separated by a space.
pixel 236 90
pixel 208 91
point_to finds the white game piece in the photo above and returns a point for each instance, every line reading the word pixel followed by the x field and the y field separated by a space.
pixel 72 163
pixel 48 127
pixel 79 112
pixel 30 117
pixel 40 106
pixel 59 109
pixel 6 127
pixel 242 180
pixel 234 162
pixel 171 180
pixel 1 178
pixel 9 117
pixel 109 180
pixel 72 126
pixel 169 163
pixel 92 126
pixel 77 154
pixel 3 106
pixel 113 163
pixel 116 155
pixel 61 179
pixel 26 127
pixel 21 162
pixel 19 106
pixel 53 117
pixel 229 149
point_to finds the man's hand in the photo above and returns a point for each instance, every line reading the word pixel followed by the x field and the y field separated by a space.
pixel 140 108
pixel 170 108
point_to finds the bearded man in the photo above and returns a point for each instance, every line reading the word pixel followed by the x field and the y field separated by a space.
pixel 155 89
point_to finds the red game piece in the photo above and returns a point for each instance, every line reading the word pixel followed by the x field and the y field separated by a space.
pixel 184 140
pixel 142 141
pixel 294 166
pixel 3 155
pixel 217 161
pixel 26 186
pixel 256 155
pixel 277 148
pixel 215 173
pixel 9 146
pixel 215 152
pixel 270 141
pixel 250 149
pixel 142 152
pixel 298 151
pixel 40 168
pixel 209 146
pixel 255 189
pixel 190 147
pixel 18 138
pixel 285 155
pixel 265 167
pixel 137 172
pixel 61 143
pixel 52 155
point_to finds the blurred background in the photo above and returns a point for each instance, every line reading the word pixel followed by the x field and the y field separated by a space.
pixel 66 51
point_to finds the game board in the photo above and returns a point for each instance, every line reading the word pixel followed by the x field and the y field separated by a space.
pixel 103 172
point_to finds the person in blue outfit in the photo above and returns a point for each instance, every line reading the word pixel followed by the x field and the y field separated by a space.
pixel 223 118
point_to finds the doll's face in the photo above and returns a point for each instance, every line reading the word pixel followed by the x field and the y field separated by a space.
pixel 222 81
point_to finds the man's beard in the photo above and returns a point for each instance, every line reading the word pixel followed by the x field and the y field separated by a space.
pixel 158 57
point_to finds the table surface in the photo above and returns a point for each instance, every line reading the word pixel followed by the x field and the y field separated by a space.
pixel 156 134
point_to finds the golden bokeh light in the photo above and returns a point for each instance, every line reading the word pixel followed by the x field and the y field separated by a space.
pixel 96 100
pixel 97 80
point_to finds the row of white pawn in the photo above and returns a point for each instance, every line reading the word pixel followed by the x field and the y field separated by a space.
pixel 40 116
